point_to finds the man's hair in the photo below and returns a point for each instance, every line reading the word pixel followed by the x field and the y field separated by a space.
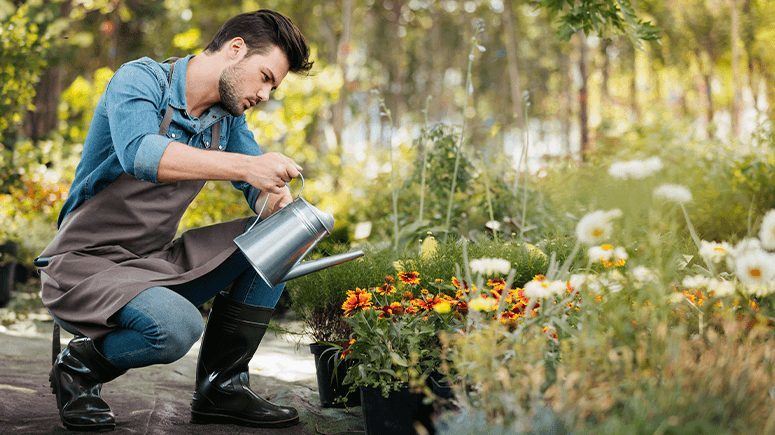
pixel 261 30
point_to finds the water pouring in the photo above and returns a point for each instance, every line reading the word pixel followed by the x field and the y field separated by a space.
pixel 276 245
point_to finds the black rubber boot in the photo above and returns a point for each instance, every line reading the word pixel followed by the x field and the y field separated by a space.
pixel 76 380
pixel 223 393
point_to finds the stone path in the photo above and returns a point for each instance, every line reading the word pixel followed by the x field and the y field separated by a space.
pixel 156 399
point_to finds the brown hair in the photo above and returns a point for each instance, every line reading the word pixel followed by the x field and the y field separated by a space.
pixel 261 30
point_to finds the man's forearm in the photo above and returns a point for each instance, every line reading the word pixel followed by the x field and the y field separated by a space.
pixel 182 162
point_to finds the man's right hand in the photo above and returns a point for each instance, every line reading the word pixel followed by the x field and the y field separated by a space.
pixel 270 172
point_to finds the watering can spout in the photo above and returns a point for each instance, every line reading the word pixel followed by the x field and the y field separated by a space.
pixel 307 267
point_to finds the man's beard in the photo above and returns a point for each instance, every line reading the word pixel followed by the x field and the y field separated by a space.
pixel 227 89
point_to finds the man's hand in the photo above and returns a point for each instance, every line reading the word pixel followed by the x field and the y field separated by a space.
pixel 276 201
pixel 269 172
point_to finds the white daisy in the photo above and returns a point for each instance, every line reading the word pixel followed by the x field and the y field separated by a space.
pixel 596 227
pixel 543 289
pixel 643 274
pixel 744 246
pixel 714 252
pixel 767 231
pixel 490 266
pixel 493 225
pixel 756 270
pixel 721 287
pixel 673 193
pixel 635 169
pixel 607 252
pixel 695 282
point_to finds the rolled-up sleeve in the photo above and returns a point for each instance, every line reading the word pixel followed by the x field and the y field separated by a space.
pixel 241 140
pixel 133 102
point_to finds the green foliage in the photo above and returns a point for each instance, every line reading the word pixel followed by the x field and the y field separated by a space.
pixel 318 297
pixel 78 102
pixel 447 258
pixel 22 58
pixel 603 17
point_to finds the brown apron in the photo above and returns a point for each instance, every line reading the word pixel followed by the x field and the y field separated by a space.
pixel 120 242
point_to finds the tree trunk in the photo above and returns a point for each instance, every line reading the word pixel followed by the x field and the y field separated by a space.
pixel 566 67
pixel 706 80
pixel 734 38
pixel 43 120
pixel 510 40
pixel 583 98
pixel 604 85
pixel 634 105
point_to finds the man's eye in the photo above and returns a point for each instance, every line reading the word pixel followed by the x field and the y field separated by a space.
pixel 266 78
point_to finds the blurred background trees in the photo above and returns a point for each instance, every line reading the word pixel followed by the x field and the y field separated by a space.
pixel 593 70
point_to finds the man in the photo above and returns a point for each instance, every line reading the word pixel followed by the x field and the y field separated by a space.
pixel 116 275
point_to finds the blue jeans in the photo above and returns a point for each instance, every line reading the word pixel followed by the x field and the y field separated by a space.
pixel 161 324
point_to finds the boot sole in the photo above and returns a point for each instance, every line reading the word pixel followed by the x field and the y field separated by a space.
pixel 198 417
pixel 75 427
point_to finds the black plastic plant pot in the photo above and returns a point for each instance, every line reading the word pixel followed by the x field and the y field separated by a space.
pixel 396 414
pixel 333 394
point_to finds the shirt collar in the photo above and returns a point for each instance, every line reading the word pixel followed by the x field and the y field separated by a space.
pixel 178 88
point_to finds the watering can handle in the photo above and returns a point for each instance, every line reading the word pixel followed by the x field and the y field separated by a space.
pixel 263 206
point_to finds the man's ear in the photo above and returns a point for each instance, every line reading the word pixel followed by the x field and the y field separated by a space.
pixel 236 46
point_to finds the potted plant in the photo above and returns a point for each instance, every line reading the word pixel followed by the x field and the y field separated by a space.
pixel 8 255
pixel 317 299
pixel 395 342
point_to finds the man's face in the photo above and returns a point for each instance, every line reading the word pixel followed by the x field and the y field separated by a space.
pixel 249 81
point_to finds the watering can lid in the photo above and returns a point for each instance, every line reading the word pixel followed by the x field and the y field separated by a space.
pixel 326 219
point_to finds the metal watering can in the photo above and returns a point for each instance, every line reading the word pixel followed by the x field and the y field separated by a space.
pixel 276 245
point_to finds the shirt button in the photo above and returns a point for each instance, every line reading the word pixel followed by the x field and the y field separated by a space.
pixel 220 147
pixel 207 144
pixel 173 135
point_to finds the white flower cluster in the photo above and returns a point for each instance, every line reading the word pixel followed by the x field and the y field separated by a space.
pixel 596 227
pixel 606 252
pixel 490 266
pixel 719 287
pixel 673 193
pixel 714 252
pixel 767 231
pixel 543 289
pixel 642 274
pixel 749 261
pixel 635 169
pixel 613 281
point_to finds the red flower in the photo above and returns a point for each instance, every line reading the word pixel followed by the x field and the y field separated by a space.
pixel 411 278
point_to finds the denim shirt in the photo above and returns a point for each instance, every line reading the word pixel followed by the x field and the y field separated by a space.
pixel 124 132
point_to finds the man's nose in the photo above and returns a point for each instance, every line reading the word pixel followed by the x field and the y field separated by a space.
pixel 263 93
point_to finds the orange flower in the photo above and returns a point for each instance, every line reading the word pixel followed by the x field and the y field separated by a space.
pixel 459 285
pixel 389 279
pixel 426 304
pixel 394 309
pixel 509 317
pixel 386 289
pixel 411 278
pixel 408 295
pixel 539 278
pixel 356 299
pixel 346 351
pixel 497 285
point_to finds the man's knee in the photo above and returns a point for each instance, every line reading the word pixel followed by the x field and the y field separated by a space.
pixel 178 327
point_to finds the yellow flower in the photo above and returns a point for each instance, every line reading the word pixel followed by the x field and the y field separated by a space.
pixel 428 247
pixel 411 278
pixel 483 304
pixel 442 308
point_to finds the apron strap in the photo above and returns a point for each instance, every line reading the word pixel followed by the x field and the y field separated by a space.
pixel 216 131
pixel 165 122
